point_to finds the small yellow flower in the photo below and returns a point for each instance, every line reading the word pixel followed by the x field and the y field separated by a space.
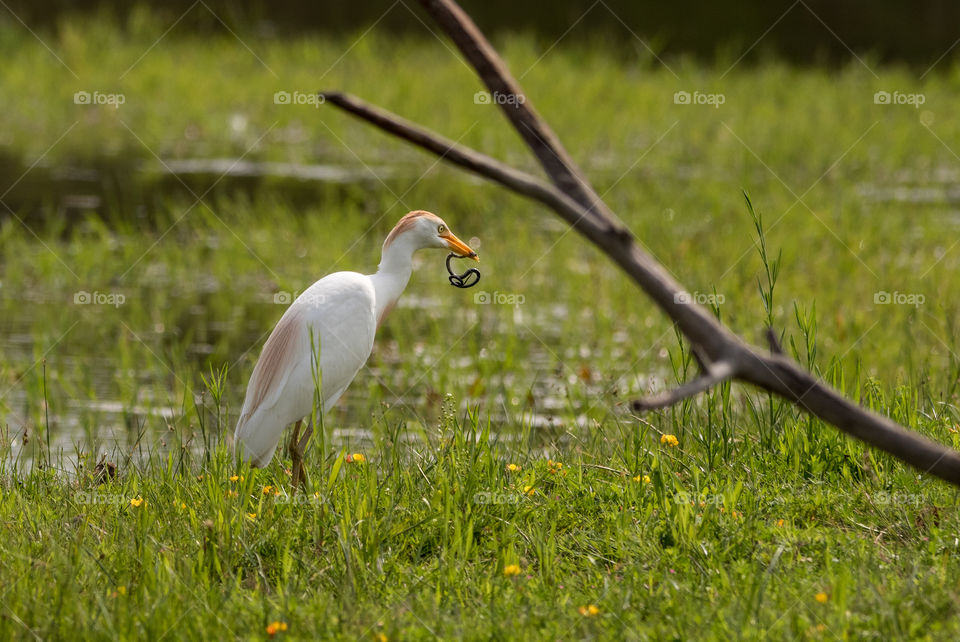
pixel 670 440
pixel 356 458
pixel 379 637
pixel 251 516
pixel 137 502
pixel 267 489
pixel 512 468
pixel 780 523
pixel 529 490
pixel 183 505
pixel 276 627
pixel 554 467
pixel 511 570
pixel 589 610
pixel 232 493
pixel 642 478
pixel 234 478
pixel 122 590
pixel 821 597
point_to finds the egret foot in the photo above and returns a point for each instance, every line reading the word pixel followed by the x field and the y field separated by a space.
pixel 296 449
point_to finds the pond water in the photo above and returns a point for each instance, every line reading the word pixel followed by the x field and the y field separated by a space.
pixel 86 413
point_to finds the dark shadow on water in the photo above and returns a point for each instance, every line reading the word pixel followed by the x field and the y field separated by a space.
pixel 133 188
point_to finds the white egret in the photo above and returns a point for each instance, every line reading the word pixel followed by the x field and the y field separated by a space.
pixel 339 314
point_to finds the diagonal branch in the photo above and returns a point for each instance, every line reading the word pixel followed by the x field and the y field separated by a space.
pixel 721 354
pixel 477 162
pixel 516 105
pixel 715 374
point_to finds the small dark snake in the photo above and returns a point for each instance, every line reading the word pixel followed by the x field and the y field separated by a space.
pixel 466 280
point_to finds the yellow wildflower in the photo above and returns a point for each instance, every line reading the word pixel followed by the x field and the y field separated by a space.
pixel 511 570
pixel 267 489
pixel 589 610
pixel 513 468
pixel 356 458
pixel 137 501
pixel 529 490
pixel 670 440
pixel 780 522
pixel 251 516
pixel 276 627
pixel 821 597
pixel 379 637
pixel 642 478
pixel 234 478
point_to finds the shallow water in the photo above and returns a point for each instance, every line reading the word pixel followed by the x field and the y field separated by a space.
pixel 152 415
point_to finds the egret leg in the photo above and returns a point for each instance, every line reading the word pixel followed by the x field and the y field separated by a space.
pixel 296 449
pixel 295 455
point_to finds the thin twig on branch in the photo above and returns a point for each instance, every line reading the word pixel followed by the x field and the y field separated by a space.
pixel 714 374
pixel 721 354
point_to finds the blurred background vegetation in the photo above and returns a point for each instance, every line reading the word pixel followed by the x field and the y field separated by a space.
pixel 801 31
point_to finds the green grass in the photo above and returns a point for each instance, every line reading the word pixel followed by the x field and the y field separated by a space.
pixel 755 512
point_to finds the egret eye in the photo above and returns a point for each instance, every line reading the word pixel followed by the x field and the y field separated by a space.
pixel 441 229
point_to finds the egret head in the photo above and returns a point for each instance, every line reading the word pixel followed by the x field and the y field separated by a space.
pixel 424 229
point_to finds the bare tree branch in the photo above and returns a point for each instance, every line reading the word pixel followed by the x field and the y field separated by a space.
pixel 518 108
pixel 714 374
pixel 520 182
pixel 721 354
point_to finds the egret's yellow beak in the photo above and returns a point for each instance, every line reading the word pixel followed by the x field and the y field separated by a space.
pixel 459 246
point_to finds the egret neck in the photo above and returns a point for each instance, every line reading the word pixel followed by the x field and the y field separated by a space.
pixel 393 273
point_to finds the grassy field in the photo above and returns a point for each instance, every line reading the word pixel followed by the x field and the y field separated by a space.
pixel 505 488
